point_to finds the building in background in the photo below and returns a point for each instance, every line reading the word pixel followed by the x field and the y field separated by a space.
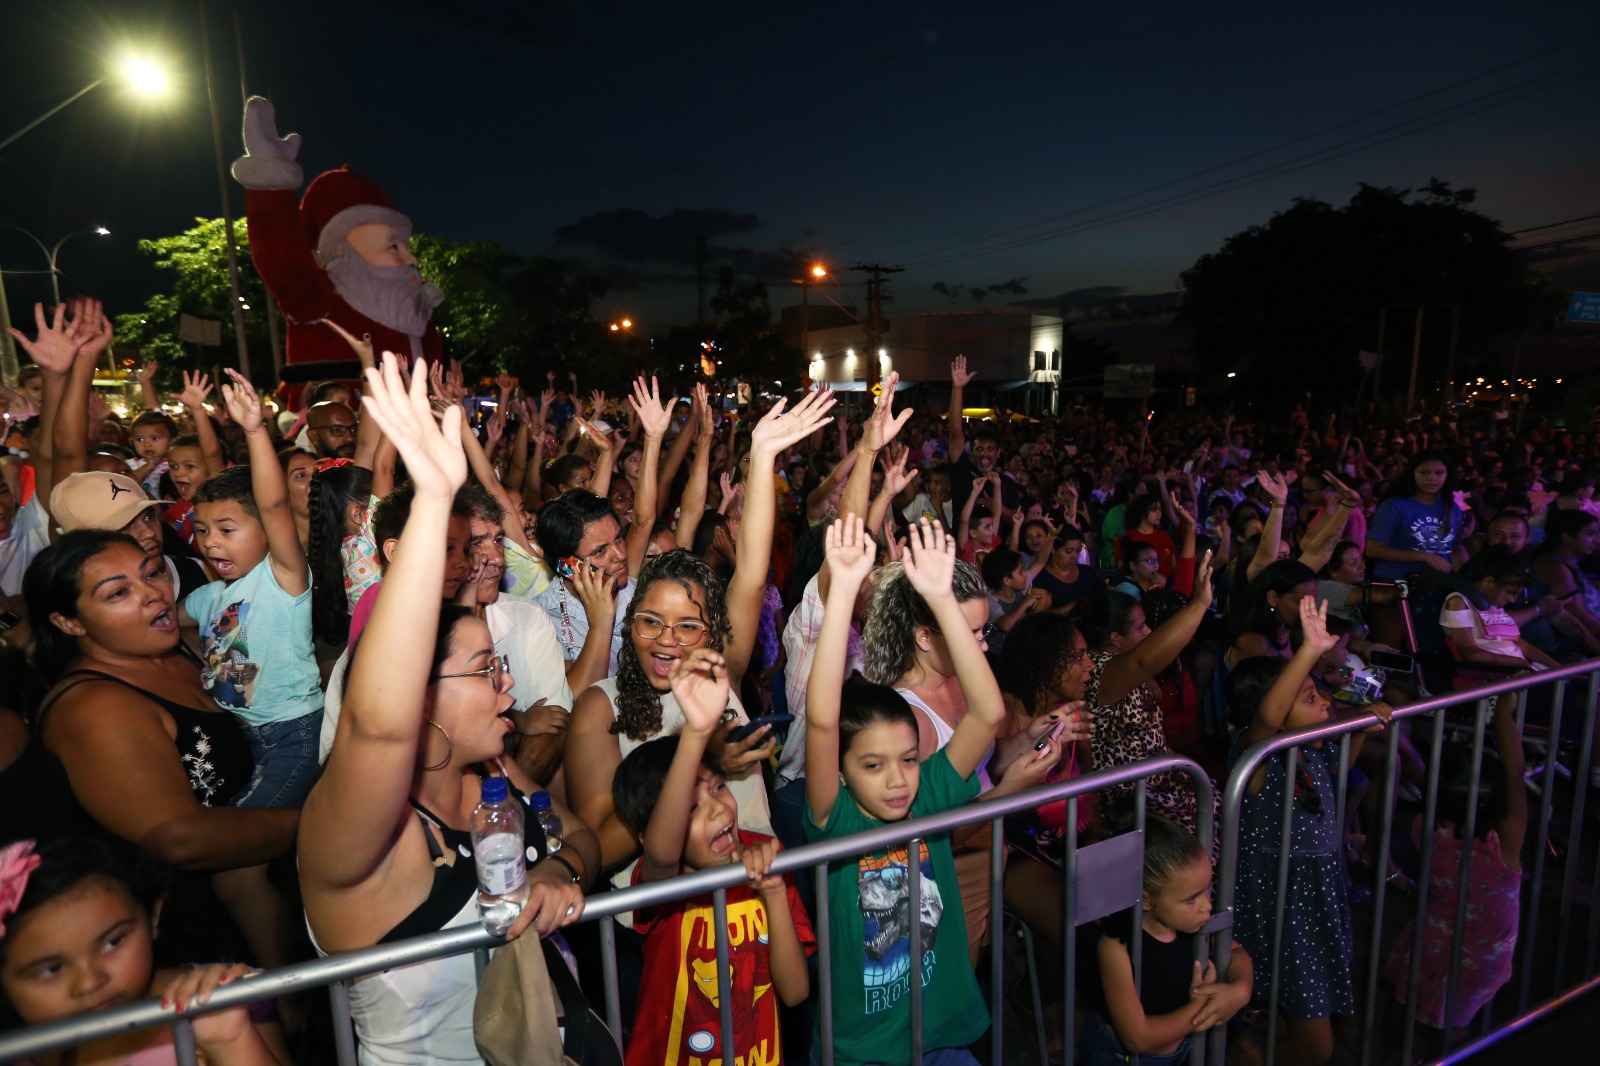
pixel 1016 355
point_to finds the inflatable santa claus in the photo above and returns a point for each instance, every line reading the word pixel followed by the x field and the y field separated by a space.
pixel 342 255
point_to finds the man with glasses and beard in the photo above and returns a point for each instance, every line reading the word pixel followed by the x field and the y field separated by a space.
pixel 331 430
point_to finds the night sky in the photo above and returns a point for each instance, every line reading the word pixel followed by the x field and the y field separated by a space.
pixel 989 148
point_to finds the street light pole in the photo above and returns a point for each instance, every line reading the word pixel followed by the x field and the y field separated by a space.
pixel 8 353
pixel 81 92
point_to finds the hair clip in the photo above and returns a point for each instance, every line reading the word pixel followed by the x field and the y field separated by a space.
pixel 17 861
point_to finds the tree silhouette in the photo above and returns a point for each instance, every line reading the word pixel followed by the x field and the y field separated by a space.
pixel 1289 304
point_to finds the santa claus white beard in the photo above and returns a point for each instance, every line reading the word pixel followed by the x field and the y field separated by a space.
pixel 396 297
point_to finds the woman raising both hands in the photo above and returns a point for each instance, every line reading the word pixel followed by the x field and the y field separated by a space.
pixel 386 852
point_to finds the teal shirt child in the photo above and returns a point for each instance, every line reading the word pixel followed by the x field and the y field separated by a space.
pixel 867 906
pixel 255 642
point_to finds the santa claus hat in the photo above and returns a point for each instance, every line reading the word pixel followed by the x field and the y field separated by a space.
pixel 339 201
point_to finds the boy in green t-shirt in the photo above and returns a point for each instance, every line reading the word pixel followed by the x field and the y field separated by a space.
pixel 863 737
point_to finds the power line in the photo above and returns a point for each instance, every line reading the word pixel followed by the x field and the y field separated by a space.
pixel 1265 174
pixel 1257 154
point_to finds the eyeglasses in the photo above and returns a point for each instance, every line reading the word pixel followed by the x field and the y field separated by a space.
pixel 684 634
pixel 498 671
pixel 336 429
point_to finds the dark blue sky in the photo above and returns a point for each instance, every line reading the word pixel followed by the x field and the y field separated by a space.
pixel 902 133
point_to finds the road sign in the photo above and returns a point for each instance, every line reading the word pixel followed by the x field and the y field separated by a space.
pixel 877 388
pixel 1585 307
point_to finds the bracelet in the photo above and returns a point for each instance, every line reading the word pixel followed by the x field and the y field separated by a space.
pixel 571 869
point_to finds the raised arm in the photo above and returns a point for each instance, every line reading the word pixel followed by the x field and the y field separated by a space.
pixel 1279 700
pixel 930 562
pixel 367 433
pixel 817 498
pixel 775 432
pixel 654 418
pixel 483 471
pixel 360 802
pixel 957 426
pixel 1155 653
pixel 196 389
pixel 1272 530
pixel 284 551
pixel 849 554
pixel 700 684
pixel 68 450
pixel 54 349
pixel 692 508
pixel 147 386
pixel 680 446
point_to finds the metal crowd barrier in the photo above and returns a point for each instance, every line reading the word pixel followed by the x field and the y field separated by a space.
pixel 1098 880
pixel 1542 787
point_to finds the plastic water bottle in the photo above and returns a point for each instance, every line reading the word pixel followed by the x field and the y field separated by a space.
pixel 549 821
pixel 501 857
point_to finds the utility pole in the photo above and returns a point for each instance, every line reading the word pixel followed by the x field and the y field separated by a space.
pixel 875 300
pixel 274 338
pixel 227 208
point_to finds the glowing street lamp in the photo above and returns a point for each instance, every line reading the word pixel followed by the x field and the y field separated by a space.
pixel 143 75
pixel 817 273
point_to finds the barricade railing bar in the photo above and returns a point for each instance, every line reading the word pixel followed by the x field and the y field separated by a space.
pixel 1341 730
pixel 1098 880
pixel 334 970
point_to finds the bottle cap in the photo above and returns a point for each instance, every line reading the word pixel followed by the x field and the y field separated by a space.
pixel 494 789
pixel 539 801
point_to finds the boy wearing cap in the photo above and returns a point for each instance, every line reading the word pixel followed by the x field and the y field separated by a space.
pixel 100 500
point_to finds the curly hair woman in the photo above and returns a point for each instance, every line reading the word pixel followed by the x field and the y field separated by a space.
pixel 680 604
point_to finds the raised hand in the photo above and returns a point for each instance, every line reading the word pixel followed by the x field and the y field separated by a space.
pixel 58 340
pixel 599 439
pixel 699 681
pixel 848 549
pixel 196 390
pixel 1347 495
pixel 1182 513
pixel 779 429
pixel 1202 580
pixel 147 372
pixel 546 399
pixel 896 479
pixel 959 377
pixel 597 403
pixel 1274 486
pixel 1314 625
pixel 930 560
pixel 708 420
pixel 94 327
pixel 362 347
pixel 883 425
pixel 431 450
pixel 269 160
pixel 495 429
pixel 654 416
pixel 244 406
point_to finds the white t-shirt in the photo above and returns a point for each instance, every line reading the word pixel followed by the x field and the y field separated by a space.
pixel 30 535
pixel 800 648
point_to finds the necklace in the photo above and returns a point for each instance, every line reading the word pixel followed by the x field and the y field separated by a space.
pixel 568 633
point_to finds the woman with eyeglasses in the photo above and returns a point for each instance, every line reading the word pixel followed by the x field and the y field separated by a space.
pixel 680 604
pixel 385 849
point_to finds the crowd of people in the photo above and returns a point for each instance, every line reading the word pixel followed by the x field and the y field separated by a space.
pixel 259 659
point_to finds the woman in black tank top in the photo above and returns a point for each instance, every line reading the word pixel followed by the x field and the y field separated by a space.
pixel 383 845
pixel 150 757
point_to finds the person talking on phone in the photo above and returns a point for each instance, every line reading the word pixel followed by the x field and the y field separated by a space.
pixel 594 566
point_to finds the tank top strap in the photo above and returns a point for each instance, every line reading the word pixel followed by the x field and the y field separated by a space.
pixel 84 676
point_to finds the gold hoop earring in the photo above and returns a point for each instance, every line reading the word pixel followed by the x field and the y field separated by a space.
pixel 449 748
